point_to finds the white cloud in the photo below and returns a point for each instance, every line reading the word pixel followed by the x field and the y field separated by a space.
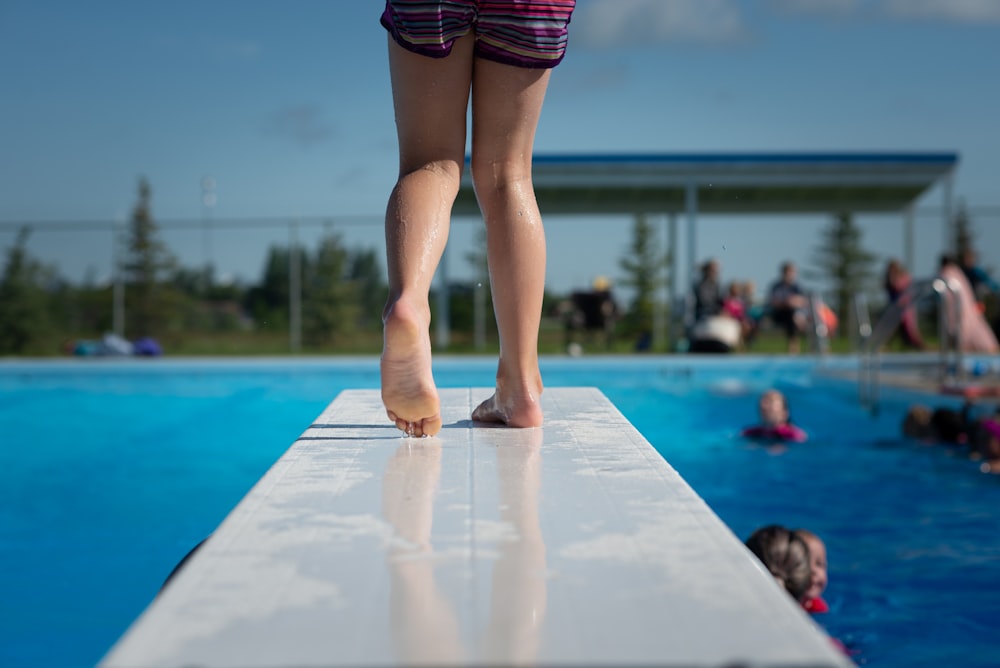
pixel 638 22
pixel 962 11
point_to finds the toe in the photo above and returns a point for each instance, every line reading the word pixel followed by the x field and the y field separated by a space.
pixel 431 426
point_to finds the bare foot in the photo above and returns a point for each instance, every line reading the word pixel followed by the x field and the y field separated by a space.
pixel 514 406
pixel 408 390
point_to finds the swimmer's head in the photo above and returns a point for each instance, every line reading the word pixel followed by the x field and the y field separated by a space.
pixel 785 555
pixel 773 408
pixel 917 423
pixel 817 563
pixel 987 439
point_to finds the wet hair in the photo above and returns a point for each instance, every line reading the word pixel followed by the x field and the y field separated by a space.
pixel 805 534
pixel 774 392
pixel 917 423
pixel 941 424
pixel 784 402
pixel 785 555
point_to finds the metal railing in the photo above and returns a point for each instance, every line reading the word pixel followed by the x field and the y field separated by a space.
pixel 871 339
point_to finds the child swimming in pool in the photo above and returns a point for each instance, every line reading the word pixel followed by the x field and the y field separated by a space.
pixel 785 555
pixel 979 436
pixel 986 443
pixel 788 556
pixel 775 422
pixel 812 600
pixel 938 425
pixel 442 56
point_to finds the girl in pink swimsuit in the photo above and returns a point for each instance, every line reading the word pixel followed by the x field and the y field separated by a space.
pixel 775 423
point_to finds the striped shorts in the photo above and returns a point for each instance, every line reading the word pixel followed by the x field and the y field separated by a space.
pixel 525 33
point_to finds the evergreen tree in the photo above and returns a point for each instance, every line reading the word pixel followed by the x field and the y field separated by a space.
pixel 147 262
pixel 330 306
pixel 23 313
pixel 368 278
pixel 643 266
pixel 842 259
pixel 268 301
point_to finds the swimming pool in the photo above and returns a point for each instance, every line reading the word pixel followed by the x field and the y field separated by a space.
pixel 110 471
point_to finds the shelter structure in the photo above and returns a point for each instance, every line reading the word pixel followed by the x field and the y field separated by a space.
pixel 691 184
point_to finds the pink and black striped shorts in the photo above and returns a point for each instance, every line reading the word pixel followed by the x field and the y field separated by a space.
pixel 525 33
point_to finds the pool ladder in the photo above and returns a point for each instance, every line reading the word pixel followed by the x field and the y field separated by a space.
pixel 949 366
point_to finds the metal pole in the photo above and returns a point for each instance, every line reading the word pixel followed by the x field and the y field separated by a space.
pixel 691 206
pixel 909 252
pixel 294 288
pixel 118 287
pixel 672 282
pixel 660 312
pixel 691 209
pixel 948 183
pixel 208 200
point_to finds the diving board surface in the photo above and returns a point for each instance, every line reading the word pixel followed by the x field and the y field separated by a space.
pixel 571 544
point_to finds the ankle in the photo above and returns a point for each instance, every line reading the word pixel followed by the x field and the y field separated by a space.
pixel 523 381
pixel 406 308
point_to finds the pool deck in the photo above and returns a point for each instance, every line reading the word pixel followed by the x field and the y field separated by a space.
pixel 571 544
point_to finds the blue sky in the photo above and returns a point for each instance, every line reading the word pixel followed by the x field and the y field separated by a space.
pixel 287 106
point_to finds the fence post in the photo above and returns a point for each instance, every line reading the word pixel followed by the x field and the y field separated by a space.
pixel 294 288
pixel 118 285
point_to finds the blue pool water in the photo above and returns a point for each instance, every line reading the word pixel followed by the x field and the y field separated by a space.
pixel 110 471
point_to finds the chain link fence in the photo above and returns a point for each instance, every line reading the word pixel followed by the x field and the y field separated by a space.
pixel 582 250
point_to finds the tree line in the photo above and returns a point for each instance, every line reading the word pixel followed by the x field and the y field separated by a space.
pixel 341 290
pixel 341 293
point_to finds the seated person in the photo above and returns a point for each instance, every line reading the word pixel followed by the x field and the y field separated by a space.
pixel 789 306
pixel 732 303
pixel 813 601
pixel 897 282
pixel 707 292
pixel 785 556
pixel 735 306
pixel 711 330
pixel 775 421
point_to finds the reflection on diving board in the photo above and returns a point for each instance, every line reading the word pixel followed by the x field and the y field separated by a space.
pixel 571 544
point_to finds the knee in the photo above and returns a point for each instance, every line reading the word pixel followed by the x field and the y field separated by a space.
pixel 446 171
pixel 497 177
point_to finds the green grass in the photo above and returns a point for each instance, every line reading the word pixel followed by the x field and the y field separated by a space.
pixel 551 341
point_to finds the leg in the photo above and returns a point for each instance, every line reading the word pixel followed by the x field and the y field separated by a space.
pixel 506 105
pixel 431 98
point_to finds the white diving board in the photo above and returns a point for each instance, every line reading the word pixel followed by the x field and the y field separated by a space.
pixel 572 544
